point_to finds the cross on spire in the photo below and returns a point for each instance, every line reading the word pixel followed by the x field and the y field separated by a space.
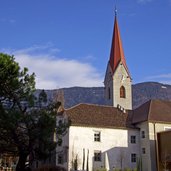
pixel 115 11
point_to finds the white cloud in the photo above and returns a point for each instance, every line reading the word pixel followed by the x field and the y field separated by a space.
pixel 163 78
pixel 53 72
pixel 38 49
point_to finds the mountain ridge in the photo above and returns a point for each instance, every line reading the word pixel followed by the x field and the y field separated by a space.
pixel 141 92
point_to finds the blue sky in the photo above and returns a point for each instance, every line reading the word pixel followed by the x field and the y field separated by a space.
pixel 67 42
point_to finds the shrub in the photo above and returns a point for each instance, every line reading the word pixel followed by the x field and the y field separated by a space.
pixel 116 169
pixel 127 169
pixel 135 169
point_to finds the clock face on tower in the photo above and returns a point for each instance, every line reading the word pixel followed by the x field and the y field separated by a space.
pixel 122 76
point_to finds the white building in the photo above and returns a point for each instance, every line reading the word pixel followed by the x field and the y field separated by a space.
pixel 114 136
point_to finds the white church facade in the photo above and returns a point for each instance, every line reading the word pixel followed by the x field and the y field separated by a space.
pixel 114 136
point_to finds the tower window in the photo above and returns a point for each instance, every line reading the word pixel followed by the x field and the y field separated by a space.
pixel 122 92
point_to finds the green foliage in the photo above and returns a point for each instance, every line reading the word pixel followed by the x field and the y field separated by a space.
pixel 139 164
pixel 116 169
pixel 127 169
pixel 25 127
pixel 15 84
pixel 135 169
pixel 42 97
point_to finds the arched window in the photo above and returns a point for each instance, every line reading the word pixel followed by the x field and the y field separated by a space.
pixel 122 92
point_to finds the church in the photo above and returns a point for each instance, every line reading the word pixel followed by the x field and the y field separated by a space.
pixel 114 136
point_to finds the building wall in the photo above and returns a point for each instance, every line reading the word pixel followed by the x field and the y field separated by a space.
pixel 149 159
pixel 155 128
pixel 114 142
pixel 108 83
pixel 114 82
pixel 145 143
pixel 121 78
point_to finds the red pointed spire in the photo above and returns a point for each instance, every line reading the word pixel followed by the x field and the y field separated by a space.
pixel 117 53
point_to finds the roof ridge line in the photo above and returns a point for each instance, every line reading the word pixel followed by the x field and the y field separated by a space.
pixel 73 106
pixel 91 104
pixel 149 113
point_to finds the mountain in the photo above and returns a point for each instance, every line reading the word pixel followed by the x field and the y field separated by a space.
pixel 141 92
pixel 76 95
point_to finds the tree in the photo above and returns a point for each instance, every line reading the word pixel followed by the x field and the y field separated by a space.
pixel 26 123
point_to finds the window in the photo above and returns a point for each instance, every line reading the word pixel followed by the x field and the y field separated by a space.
pixel 133 139
pixel 59 139
pixel 97 156
pixel 97 136
pixel 108 92
pixel 142 134
pixel 122 92
pixel 143 150
pixel 60 159
pixel 133 158
pixel 60 123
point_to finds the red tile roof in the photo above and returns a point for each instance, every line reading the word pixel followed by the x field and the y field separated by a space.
pixel 153 111
pixel 110 117
pixel 117 53
pixel 98 116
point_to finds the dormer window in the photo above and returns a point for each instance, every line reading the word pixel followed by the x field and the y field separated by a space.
pixel 122 92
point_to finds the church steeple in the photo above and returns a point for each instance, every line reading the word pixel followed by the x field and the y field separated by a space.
pixel 117 52
pixel 118 84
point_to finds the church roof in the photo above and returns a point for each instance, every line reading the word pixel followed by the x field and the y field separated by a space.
pixel 153 111
pixel 92 115
pixel 98 116
pixel 117 52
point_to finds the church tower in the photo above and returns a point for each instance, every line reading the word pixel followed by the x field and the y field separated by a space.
pixel 118 83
